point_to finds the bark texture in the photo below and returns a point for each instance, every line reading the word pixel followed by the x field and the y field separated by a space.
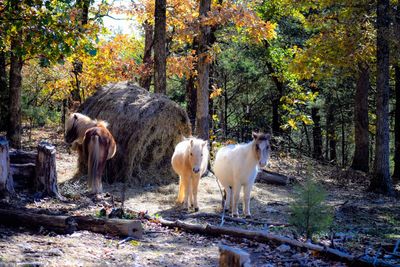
pixel 202 120
pixel 361 122
pixel 160 52
pixel 381 181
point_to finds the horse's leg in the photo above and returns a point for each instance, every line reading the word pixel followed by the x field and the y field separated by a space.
pixel 228 198
pixel 195 186
pixel 246 200
pixel 181 194
pixel 235 202
pixel 187 190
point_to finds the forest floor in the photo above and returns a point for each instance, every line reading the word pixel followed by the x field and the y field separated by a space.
pixel 364 223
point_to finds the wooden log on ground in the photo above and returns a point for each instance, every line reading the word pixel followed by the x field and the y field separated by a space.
pixel 263 237
pixel 22 157
pixel 233 257
pixel 23 175
pixel 116 227
pixel 232 219
pixel 6 181
pixel 69 224
pixel 272 178
pixel 46 174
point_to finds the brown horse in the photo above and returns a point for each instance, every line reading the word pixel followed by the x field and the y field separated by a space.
pixel 96 143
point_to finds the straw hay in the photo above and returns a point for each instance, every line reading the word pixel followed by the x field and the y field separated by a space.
pixel 146 128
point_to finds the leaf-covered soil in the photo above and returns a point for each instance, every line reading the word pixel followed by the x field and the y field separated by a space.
pixel 364 223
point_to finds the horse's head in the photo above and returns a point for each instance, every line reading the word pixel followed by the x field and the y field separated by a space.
pixel 75 126
pixel 262 147
pixel 71 130
pixel 196 153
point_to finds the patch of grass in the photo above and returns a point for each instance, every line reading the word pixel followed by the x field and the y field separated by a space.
pixel 101 213
pixel 392 236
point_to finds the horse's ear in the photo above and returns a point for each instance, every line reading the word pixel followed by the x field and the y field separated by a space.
pixel 75 116
pixel 254 135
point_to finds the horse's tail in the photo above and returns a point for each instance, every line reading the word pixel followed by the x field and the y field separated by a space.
pixel 93 162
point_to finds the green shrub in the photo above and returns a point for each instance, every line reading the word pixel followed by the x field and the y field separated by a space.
pixel 309 213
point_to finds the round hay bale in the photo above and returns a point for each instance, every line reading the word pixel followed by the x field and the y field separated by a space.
pixel 146 128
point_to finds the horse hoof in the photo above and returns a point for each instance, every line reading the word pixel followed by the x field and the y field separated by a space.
pixel 248 216
pixel 235 215
pixel 196 209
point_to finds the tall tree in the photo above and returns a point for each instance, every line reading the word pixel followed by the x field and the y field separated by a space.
pixel 160 53
pixel 15 84
pixel 145 78
pixel 203 69
pixel 317 133
pixel 3 92
pixel 396 172
pixel 381 180
pixel 361 122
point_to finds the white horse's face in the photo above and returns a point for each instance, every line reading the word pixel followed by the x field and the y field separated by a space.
pixel 262 148
pixel 196 154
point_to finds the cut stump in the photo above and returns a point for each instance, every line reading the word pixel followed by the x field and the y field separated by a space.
pixel 6 180
pixel 46 174
pixel 233 257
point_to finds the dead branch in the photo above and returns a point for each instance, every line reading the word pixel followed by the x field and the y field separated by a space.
pixel 232 219
pixel 259 236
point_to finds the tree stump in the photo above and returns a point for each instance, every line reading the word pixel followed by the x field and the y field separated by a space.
pixel 233 257
pixel 46 174
pixel 6 181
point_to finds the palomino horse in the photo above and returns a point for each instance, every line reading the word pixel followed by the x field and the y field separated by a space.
pixel 96 143
pixel 237 165
pixel 189 161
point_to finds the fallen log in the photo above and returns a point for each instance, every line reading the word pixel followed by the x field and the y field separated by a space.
pixel 69 224
pixel 233 257
pixel 269 177
pixel 232 219
pixel 263 237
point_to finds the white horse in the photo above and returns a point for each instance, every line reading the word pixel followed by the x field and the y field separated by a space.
pixel 237 165
pixel 190 161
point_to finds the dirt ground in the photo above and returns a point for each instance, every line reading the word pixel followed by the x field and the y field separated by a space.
pixel 364 223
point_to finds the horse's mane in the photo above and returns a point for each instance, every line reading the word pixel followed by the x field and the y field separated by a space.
pixel 102 123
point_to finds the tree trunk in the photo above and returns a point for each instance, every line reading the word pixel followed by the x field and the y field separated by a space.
pixel 317 133
pixel 160 53
pixel 14 121
pixel 145 79
pixel 6 180
pixel 330 131
pixel 3 92
pixel 191 92
pixel 46 174
pixel 276 102
pixel 361 122
pixel 233 257
pixel 191 100
pixel 396 172
pixel 381 181
pixel 202 119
